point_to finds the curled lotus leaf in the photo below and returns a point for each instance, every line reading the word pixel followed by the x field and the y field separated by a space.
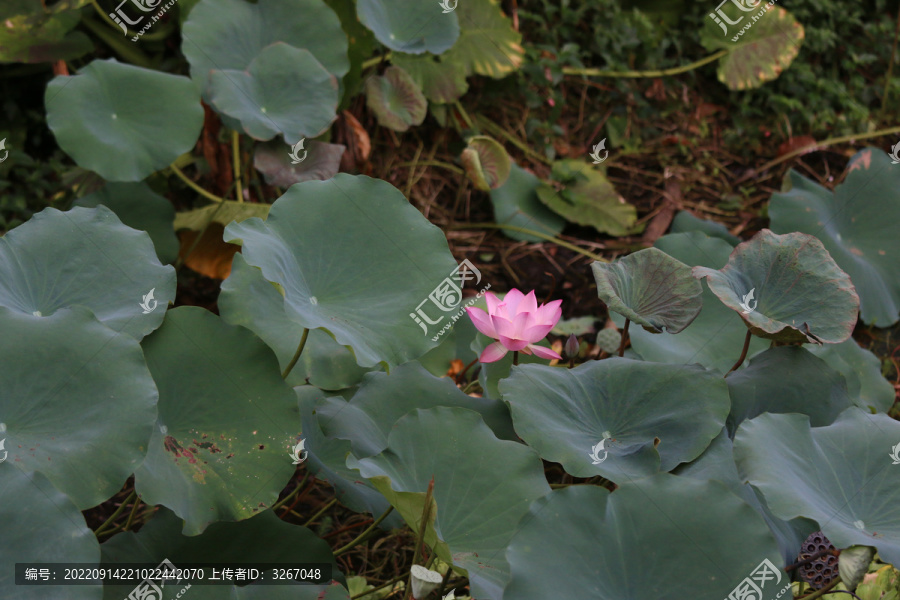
pixel 487 163
pixel 396 99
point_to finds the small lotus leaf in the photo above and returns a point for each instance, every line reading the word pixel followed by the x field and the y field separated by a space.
pixel 488 45
pixel 857 225
pixel 284 90
pixel 841 475
pixel 651 288
pixel 121 121
pixel 685 221
pixel 411 27
pixel 487 163
pixel 762 43
pixel 714 541
pixel 649 416
pixel 85 257
pixel 797 291
pixel 140 208
pixel 396 99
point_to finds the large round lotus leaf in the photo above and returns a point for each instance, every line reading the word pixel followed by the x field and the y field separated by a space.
pixel 482 487
pixel 487 163
pixel 220 450
pixel 140 208
pixel 793 289
pixel 441 81
pixel 761 44
pixel 651 288
pixel 284 90
pixel 516 203
pixel 713 542
pixel 411 27
pixel 651 416
pixel 858 226
pixel 787 379
pixel 862 370
pixel 247 299
pixel 356 259
pixel 327 461
pixel 76 402
pixel 41 525
pixel 263 539
pixel 396 99
pixel 587 198
pixel 121 121
pixel 85 257
pixel 717 462
pixel 840 475
pixel 382 399
pixel 488 44
pixel 229 34
pixel 685 221
pixel 714 338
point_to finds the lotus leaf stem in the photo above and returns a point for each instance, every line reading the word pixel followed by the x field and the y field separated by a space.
pixel 236 163
pixel 423 525
pixel 130 520
pixel 320 512
pixel 287 498
pixel 624 337
pixel 740 361
pixel 194 186
pixel 297 354
pixel 380 587
pixel 822 592
pixel 116 514
pixel 643 74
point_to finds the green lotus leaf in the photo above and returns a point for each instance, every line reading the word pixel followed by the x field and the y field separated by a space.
pixel 588 198
pixel 327 461
pixel 85 257
pixel 368 419
pixel 714 338
pixel 650 417
pixel 220 212
pixel 319 161
pixel 650 288
pixel 853 564
pixel 363 285
pixel 78 371
pixel 226 35
pixel 41 525
pixel 488 44
pixel 845 480
pixel 140 208
pixel 762 44
pixel 396 99
pixel 121 121
pixel 284 90
pixel 482 487
pixel 798 292
pixel 441 81
pixel 247 299
pixel 487 163
pixel 227 420
pixel 717 462
pixel 787 379
pixel 516 204
pixel 862 371
pixel 263 539
pixel 713 542
pixel 34 34
pixel 411 27
pixel 857 225
pixel 685 221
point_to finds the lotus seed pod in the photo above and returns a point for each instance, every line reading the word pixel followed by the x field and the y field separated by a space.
pixel 424 581
pixel 609 340
pixel 823 570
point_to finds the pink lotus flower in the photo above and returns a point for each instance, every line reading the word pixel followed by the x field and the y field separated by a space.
pixel 518 322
